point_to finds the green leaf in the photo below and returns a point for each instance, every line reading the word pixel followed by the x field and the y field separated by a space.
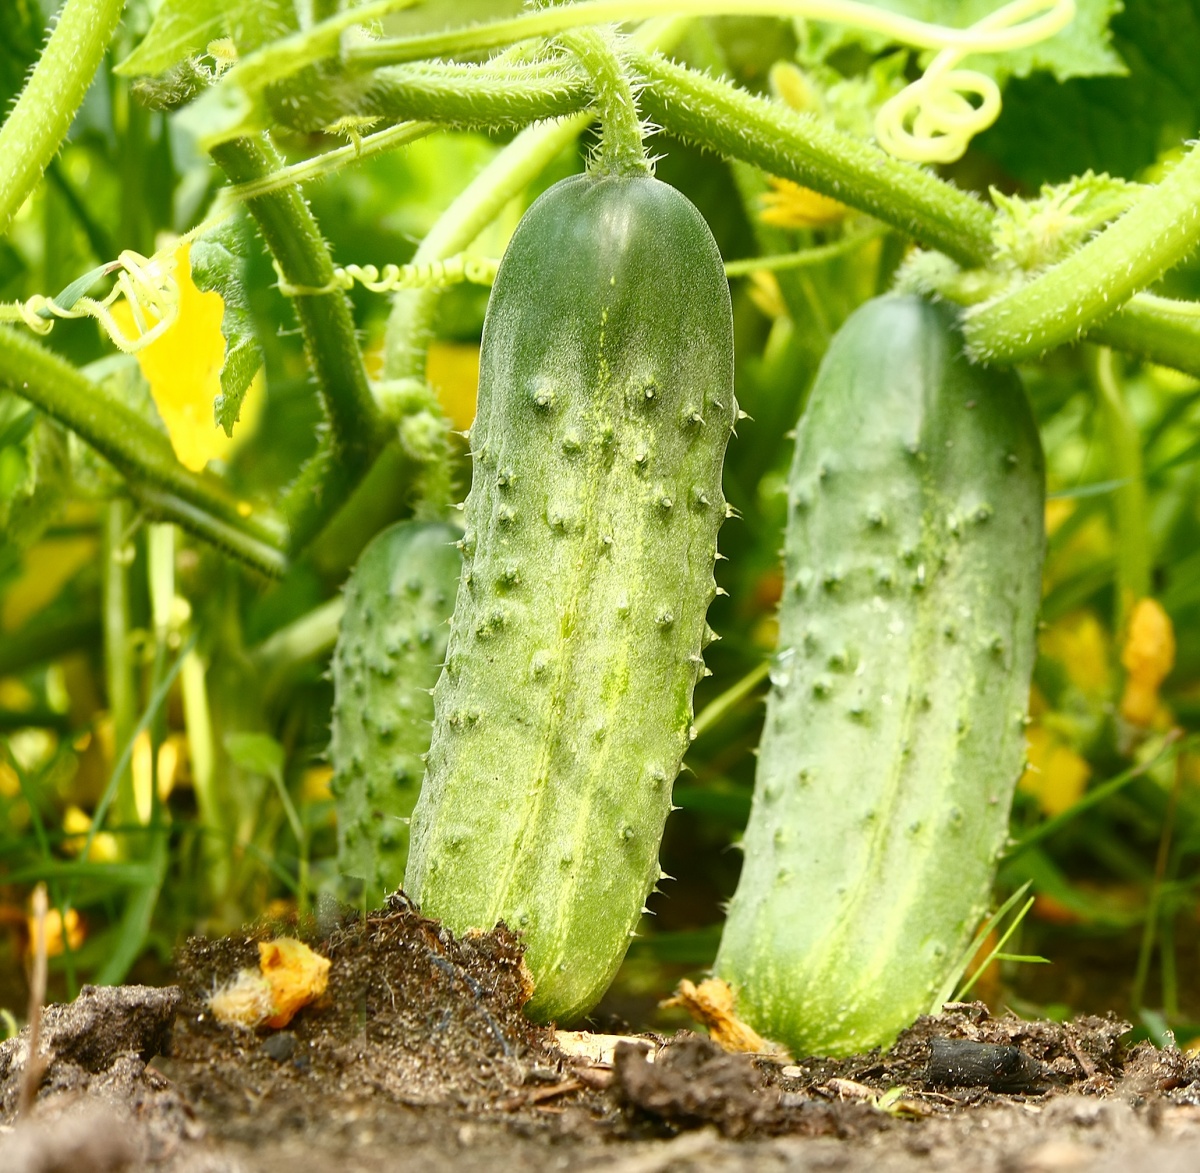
pixel 1048 132
pixel 218 263
pixel 181 29
pixel 34 471
pixel 256 753
pixel 1082 49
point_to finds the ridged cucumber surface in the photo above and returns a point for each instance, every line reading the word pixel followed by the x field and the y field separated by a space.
pixel 563 712
pixel 390 649
pixel 894 730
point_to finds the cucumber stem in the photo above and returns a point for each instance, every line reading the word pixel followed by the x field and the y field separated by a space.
pixel 39 122
pixel 622 150
pixel 1155 234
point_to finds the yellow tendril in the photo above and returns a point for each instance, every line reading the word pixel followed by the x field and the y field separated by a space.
pixel 147 283
pixel 933 119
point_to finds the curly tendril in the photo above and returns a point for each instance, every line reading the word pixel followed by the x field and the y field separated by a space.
pixel 147 283
pixel 431 274
pixel 933 119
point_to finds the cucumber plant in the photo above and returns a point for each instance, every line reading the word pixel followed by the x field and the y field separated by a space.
pixel 563 712
pixel 390 647
pixel 894 730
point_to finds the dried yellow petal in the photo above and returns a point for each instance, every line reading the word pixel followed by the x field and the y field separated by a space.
pixel 711 1003
pixel 1148 657
pixel 295 973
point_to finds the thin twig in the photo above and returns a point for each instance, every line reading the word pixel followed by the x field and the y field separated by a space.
pixel 35 1065
pixel 1156 890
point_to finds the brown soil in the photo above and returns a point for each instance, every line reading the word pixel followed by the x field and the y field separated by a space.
pixel 419 1057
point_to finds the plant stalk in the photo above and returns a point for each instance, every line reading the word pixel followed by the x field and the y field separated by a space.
pixel 1125 466
pixel 133 446
pixel 356 431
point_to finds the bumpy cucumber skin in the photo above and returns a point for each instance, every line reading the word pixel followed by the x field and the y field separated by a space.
pixel 563 712
pixel 390 649
pixel 894 726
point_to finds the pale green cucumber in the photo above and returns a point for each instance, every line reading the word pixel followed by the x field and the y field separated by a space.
pixel 894 730
pixel 563 712
pixel 390 648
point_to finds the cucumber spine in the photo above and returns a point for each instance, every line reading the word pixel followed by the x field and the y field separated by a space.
pixel 894 731
pixel 564 709
pixel 390 648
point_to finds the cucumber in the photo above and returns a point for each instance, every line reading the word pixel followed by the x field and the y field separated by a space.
pixel 390 648
pixel 894 730
pixel 564 709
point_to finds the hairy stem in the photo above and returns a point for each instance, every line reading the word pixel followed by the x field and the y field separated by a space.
pixel 622 151
pixel 1155 328
pixel 356 430
pixel 451 94
pixel 39 122
pixel 734 123
pixel 410 326
pixel 142 454
pixel 1157 232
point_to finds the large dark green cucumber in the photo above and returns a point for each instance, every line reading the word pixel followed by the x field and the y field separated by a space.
pixel 894 726
pixel 390 648
pixel 563 712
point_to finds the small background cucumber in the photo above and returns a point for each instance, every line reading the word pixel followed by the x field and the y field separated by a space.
pixel 894 727
pixel 390 648
pixel 605 404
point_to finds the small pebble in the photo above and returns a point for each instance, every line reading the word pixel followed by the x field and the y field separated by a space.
pixel 281 1046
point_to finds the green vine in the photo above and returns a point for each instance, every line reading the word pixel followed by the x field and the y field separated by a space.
pixel 1156 233
pixel 38 123
pixel 198 502
pixel 356 431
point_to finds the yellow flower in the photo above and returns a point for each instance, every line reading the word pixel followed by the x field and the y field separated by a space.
pixel 55 943
pixel 1080 644
pixel 791 206
pixel 453 372
pixel 183 367
pixel 77 823
pixel 1056 775
pixel 1148 657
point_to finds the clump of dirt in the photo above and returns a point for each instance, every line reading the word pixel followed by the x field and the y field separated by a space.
pixel 419 1056
pixel 410 1012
